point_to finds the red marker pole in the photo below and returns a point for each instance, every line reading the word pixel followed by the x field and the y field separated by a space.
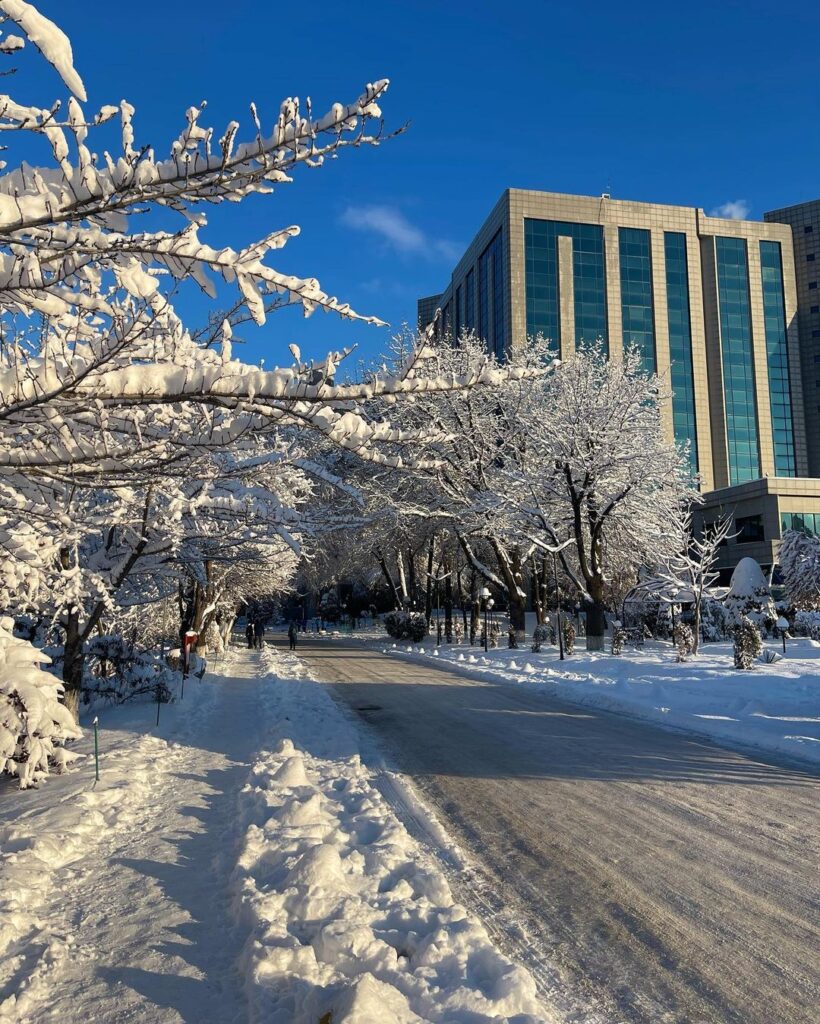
pixel 188 642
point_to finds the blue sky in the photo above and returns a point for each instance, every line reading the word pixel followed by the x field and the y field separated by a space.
pixel 700 104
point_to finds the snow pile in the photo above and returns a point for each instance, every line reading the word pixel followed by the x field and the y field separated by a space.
pixel 33 723
pixel 351 921
pixel 49 839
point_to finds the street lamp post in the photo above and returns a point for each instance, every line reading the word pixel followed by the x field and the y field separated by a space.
pixel 783 625
pixel 484 594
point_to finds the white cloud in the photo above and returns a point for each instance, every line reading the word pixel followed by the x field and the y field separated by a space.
pixel 397 231
pixel 735 209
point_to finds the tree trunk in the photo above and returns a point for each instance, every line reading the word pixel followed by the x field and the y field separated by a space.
pixel 428 599
pixel 475 611
pixel 537 603
pixel 412 582
pixel 402 580
pixel 696 628
pixel 448 608
pixel 391 583
pixel 509 564
pixel 596 625
pixel 73 664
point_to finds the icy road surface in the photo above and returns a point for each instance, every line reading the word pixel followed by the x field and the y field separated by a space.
pixel 657 879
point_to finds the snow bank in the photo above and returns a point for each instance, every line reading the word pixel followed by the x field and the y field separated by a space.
pixel 37 850
pixel 52 835
pixel 350 920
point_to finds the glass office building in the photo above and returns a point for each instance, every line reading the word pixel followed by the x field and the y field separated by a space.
pixel 710 304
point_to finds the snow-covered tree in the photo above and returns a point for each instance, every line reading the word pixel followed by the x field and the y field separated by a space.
pixel 110 404
pixel 691 570
pixel 799 560
pixel 461 492
pixel 748 644
pixel 749 595
pixel 589 464
pixel 34 725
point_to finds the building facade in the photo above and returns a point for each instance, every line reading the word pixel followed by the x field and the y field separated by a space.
pixel 715 306
pixel 804 220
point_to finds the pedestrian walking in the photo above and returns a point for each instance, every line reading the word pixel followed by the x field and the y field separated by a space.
pixel 258 633
pixel 249 633
pixel 293 634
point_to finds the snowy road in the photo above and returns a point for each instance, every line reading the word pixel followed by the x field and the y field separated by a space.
pixel 660 880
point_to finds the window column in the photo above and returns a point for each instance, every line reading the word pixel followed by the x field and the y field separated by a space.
pixel 737 358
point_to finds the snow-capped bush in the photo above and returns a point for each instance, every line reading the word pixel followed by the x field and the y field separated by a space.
pixel 540 636
pixel 749 595
pixel 800 565
pixel 807 623
pixel 748 643
pixel 684 640
pixel 34 725
pixel 512 638
pixel 569 636
pixel 618 640
pixel 116 671
pixel 406 625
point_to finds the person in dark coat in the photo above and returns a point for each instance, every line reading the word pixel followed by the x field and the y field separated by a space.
pixel 258 633
pixel 293 633
pixel 249 633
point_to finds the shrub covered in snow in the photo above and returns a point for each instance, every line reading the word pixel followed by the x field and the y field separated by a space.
pixel 800 564
pixel 512 638
pixel 34 725
pixel 406 625
pixel 569 636
pixel 540 636
pixel 117 671
pixel 748 643
pixel 618 640
pixel 749 596
pixel 684 640
pixel 807 623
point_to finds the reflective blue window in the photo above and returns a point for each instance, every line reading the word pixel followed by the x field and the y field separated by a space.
pixel 680 343
pixel 491 312
pixel 484 296
pixel 542 286
pixel 738 359
pixel 777 355
pixel 803 522
pixel 458 322
pixel 637 314
pixel 469 300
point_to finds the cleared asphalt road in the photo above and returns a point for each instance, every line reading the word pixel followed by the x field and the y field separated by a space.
pixel 659 879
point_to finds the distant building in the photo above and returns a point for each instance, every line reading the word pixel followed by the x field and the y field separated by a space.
pixel 714 305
